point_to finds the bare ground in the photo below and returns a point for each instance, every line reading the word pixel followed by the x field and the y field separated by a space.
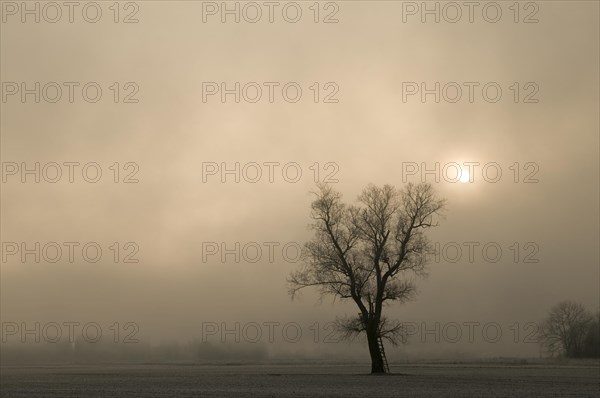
pixel 260 380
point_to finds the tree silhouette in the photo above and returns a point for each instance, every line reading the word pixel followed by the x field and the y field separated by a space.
pixel 566 329
pixel 369 253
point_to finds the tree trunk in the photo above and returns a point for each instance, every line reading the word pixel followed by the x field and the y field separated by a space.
pixel 375 352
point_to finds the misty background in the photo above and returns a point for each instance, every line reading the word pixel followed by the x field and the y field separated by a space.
pixel 171 292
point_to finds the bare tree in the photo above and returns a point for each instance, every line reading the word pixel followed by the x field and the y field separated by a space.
pixel 369 253
pixel 565 329
pixel 592 339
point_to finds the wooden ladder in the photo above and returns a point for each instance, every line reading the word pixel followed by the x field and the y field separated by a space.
pixel 386 367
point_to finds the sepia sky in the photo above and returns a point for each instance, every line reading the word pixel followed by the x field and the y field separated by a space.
pixel 367 136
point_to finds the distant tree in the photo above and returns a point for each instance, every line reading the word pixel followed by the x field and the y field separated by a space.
pixel 566 328
pixel 591 342
pixel 369 253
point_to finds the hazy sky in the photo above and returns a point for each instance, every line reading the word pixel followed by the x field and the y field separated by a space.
pixel 368 57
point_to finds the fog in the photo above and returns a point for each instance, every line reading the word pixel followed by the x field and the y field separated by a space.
pixel 175 143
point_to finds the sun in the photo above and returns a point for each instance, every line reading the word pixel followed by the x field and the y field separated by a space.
pixel 464 176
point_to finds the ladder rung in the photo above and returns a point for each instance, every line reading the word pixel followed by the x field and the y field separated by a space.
pixel 383 357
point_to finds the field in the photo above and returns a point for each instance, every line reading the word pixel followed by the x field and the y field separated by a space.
pixel 410 380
